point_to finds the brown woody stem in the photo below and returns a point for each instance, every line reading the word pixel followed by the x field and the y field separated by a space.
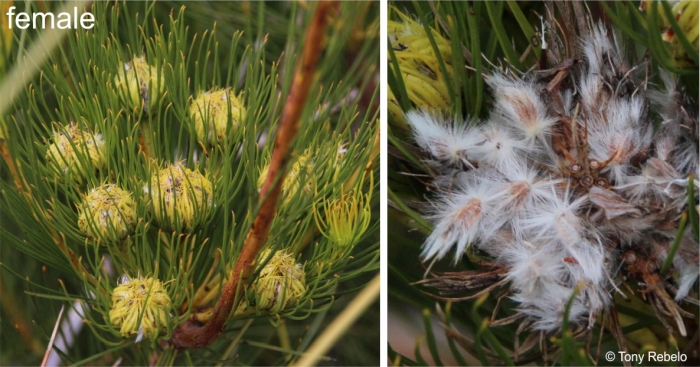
pixel 191 334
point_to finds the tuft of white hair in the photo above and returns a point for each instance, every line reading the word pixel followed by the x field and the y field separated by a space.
pixel 498 148
pixel 448 143
pixel 461 217
pixel 520 107
pixel 522 187
pixel 601 50
pixel 620 137
pixel 554 220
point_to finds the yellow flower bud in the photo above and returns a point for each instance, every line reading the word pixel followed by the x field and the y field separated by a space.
pixel 280 284
pixel 211 112
pixel 347 219
pixel 139 82
pixel 76 153
pixel 107 213
pixel 136 298
pixel 420 68
pixel 302 167
pixel 686 14
pixel 180 196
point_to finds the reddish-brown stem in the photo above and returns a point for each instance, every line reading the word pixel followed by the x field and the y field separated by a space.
pixel 191 334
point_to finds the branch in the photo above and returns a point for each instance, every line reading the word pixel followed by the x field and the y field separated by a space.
pixel 192 335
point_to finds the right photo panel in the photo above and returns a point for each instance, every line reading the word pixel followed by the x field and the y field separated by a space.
pixel 543 183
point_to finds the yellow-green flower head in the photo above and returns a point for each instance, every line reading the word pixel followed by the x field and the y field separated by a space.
pixel 211 112
pixel 420 68
pixel 280 284
pixel 76 153
pixel 180 196
pixel 686 14
pixel 139 82
pixel 302 168
pixel 347 218
pixel 143 298
pixel 107 213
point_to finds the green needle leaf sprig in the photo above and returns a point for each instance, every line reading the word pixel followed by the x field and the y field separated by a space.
pixel 131 165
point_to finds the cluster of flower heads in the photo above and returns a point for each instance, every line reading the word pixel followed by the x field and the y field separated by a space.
pixel 180 198
pixel 567 182
pixel 216 114
pixel 108 212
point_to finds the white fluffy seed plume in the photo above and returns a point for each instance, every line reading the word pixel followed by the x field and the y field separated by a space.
pixel 563 179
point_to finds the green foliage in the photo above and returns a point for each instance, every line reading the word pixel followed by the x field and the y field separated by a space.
pixel 190 50
pixel 487 36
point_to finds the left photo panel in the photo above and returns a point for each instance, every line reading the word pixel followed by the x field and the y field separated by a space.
pixel 189 183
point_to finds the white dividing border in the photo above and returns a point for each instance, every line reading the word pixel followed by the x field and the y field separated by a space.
pixel 383 176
